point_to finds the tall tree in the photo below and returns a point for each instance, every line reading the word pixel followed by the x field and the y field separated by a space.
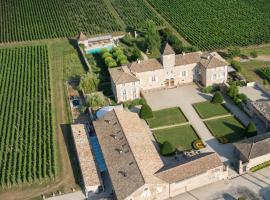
pixel 152 37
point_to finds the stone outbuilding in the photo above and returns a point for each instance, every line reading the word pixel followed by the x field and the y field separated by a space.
pixel 251 152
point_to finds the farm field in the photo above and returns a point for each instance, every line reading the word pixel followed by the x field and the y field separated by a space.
pixel 135 12
pixel 218 24
pixel 27 150
pixel 33 19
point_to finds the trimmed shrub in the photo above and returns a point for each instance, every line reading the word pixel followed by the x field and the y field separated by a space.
pixel 198 144
pixel 233 90
pixel 236 65
pixel 243 97
pixel 254 54
pixel 167 149
pixel 251 130
pixel 146 112
pixel 233 52
pixel 217 98
pixel 207 90
pixel 135 102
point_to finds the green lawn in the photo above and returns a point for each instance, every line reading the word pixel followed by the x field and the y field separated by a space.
pixel 250 71
pixel 166 117
pixel 207 109
pixel 228 127
pixel 180 136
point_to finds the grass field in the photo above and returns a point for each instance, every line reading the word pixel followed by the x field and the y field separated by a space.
pixel 27 150
pixel 180 136
pixel 207 109
pixel 166 117
pixel 250 71
pixel 217 24
pixel 22 20
pixel 228 127
pixel 135 12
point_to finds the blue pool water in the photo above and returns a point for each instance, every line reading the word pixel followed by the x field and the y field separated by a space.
pixel 98 50
pixel 98 154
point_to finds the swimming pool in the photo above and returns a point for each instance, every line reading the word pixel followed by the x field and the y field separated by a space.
pixel 98 50
pixel 98 153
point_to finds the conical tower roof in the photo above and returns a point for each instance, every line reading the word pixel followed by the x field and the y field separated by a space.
pixel 82 37
pixel 168 50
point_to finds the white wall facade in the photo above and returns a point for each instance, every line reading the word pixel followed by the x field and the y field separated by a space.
pixel 215 76
pixel 127 91
pixel 209 177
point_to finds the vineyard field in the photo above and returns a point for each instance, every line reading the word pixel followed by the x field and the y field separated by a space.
pixel 218 24
pixel 265 73
pixel 135 12
pixel 24 20
pixel 27 149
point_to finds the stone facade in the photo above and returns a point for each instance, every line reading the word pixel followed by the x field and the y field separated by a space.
pixel 169 71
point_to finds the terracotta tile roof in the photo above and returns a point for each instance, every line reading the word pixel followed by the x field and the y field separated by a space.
pixel 254 147
pixel 145 65
pixel 125 146
pixel 187 58
pixel 212 60
pixel 195 166
pixel 86 159
pixel 168 50
pixel 263 107
pixel 118 76
pixel 82 37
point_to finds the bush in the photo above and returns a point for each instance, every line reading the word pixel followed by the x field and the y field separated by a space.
pixel 233 90
pixel 236 65
pixel 167 149
pixel 243 97
pixel 217 98
pixel 89 83
pixel 234 52
pixel 95 100
pixel 208 89
pixel 135 102
pixel 254 54
pixel 198 144
pixel 146 112
pixel 251 130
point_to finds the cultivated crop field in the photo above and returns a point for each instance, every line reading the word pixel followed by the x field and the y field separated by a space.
pixel 27 143
pixel 135 12
pixel 22 20
pixel 216 24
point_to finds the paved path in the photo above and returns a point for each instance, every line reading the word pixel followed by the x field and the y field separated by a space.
pixel 184 97
pixel 217 117
pixel 253 185
pixel 239 114
pixel 170 126
pixel 71 196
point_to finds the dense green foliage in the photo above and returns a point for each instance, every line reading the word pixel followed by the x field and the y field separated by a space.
pixel 260 166
pixel 135 12
pixel 251 130
pixel 146 112
pixel 236 65
pixel 152 38
pixel 33 19
pixel 216 24
pixel 217 98
pixel 264 73
pixel 167 149
pixel 89 83
pixel 96 100
pixel 27 150
pixel 233 90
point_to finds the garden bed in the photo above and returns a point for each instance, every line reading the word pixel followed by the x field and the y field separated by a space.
pixel 207 109
pixel 167 117
pixel 226 129
pixel 181 137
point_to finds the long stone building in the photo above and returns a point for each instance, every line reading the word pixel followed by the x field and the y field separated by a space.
pixel 169 71
pixel 135 167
